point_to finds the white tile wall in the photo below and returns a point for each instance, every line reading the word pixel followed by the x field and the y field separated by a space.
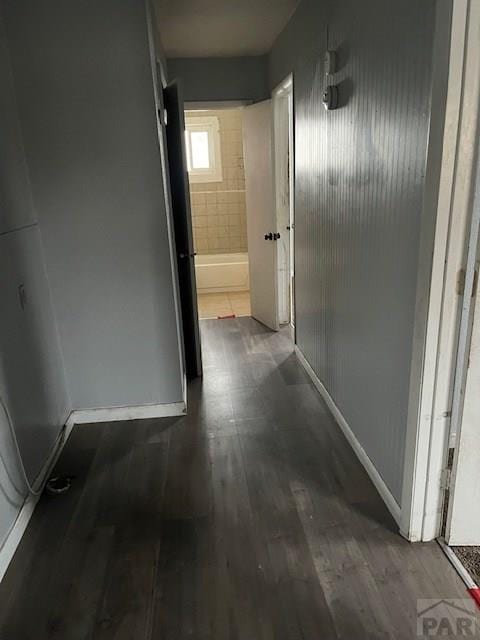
pixel 218 208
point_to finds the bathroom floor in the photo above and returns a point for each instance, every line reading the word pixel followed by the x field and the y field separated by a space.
pixel 218 305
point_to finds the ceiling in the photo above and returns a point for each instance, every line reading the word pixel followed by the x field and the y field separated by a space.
pixel 221 28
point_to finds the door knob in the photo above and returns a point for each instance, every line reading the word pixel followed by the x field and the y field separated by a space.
pixel 269 236
pixel 276 236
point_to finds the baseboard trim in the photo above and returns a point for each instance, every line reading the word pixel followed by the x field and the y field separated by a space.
pixel 85 416
pixel 26 512
pixel 117 414
pixel 386 495
pixel 16 534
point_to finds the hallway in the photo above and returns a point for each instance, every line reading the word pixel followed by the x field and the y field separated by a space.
pixel 251 518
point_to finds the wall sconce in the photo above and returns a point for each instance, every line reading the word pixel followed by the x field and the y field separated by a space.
pixel 330 95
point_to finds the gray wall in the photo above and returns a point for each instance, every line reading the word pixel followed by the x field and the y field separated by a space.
pixel 359 189
pixel 32 380
pixel 216 79
pixel 16 206
pixel 86 104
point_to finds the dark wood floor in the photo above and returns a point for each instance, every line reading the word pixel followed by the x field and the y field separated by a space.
pixel 249 519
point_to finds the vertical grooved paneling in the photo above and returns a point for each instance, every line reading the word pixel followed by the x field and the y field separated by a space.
pixel 360 174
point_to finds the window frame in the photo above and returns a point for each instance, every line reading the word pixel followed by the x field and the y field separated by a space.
pixel 211 125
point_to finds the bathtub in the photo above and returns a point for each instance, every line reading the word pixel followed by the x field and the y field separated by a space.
pixel 222 272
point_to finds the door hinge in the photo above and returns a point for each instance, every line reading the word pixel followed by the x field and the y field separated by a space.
pixel 461 277
pixel 445 479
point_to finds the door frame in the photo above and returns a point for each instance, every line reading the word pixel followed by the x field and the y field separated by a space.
pixel 465 438
pixel 283 145
pixel 159 82
pixel 444 236
pixel 182 221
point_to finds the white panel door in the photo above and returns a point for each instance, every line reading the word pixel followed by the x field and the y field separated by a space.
pixel 261 219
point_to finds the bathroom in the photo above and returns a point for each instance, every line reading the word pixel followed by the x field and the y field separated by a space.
pixel 217 192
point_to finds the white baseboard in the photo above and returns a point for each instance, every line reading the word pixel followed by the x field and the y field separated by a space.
pixel 26 512
pixel 78 417
pixel 16 534
pixel 136 412
pixel 391 503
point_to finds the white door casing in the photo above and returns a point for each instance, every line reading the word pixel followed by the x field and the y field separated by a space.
pixel 463 518
pixel 463 522
pixel 429 419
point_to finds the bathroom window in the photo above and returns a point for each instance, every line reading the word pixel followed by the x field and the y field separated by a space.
pixel 202 140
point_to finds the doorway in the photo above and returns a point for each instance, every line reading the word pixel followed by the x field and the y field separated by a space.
pixel 215 163
pixel 434 440
pixel 241 166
